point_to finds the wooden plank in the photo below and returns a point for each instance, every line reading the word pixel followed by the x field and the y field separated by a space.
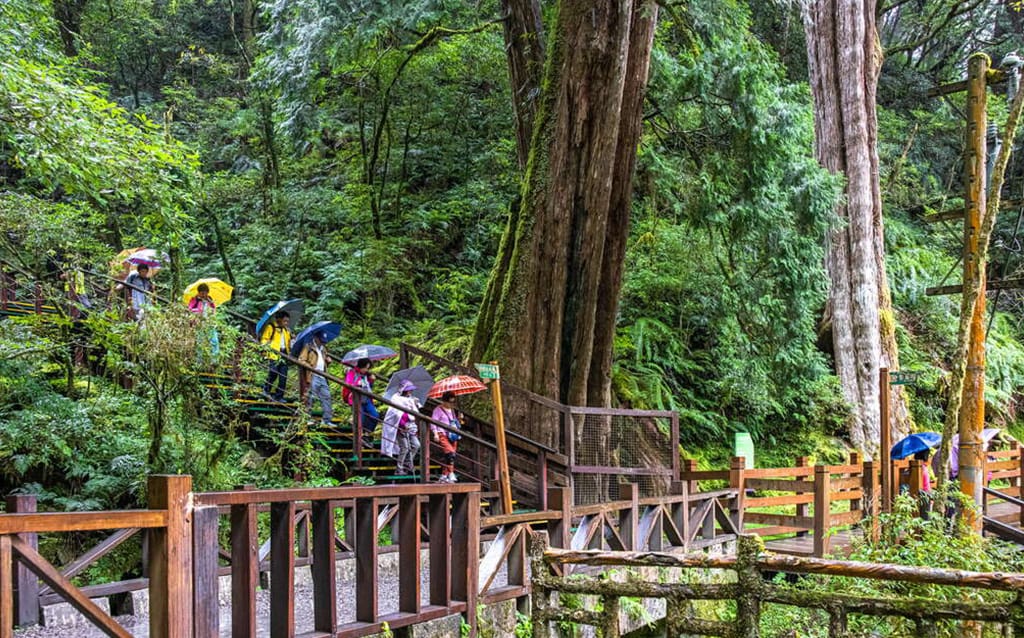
pixel 779 485
pixel 50 522
pixel 282 569
pixel 6 588
pixel 78 565
pixel 854 468
pixel 26 587
pixel 789 520
pixel 601 508
pixel 49 574
pixel 244 570
pixel 502 520
pixel 585 532
pixel 206 590
pixel 103 590
pixel 466 552
pixel 781 472
pixel 822 491
pixel 241 497
pixel 842 519
pixel 848 495
pixel 955 289
pixel 366 560
pixel 409 554
pixel 170 558
pixel 774 530
pixel 496 555
pixel 774 501
pixel 705 475
pixel 325 587
pixel 852 483
pixel 440 550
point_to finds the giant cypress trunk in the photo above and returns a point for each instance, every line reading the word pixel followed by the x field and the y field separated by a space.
pixel 844 59
pixel 549 312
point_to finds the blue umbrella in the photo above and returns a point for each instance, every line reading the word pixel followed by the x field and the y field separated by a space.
pixel 330 330
pixel 915 443
pixel 371 352
pixel 294 308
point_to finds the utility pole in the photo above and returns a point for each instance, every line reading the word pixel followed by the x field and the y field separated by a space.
pixel 972 409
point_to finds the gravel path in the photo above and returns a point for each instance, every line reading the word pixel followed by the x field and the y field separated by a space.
pixel 139 625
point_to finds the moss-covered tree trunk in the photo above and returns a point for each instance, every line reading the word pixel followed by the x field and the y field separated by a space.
pixel 549 312
pixel 844 59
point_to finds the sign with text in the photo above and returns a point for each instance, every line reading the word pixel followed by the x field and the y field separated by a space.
pixel 487 370
pixel 904 377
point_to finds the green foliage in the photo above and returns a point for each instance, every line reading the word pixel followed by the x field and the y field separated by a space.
pixel 906 539
pixel 724 277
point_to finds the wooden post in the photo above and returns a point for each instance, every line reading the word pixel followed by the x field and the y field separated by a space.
pixel 915 478
pixel 680 512
pixel 869 489
pixel 610 617
pixel 690 465
pixel 205 554
pixel 6 588
pixel 972 408
pixel 465 553
pixel 749 585
pixel 244 569
pixel 170 558
pixel 802 509
pixel 409 554
pixel 855 460
pixel 499 439
pixel 542 480
pixel 440 550
pixel 282 569
pixel 540 593
pixel 26 585
pixel 325 585
pixel 1020 470
pixel 366 560
pixel 736 467
pixel 885 444
pixel 822 509
pixel 629 519
pixel 560 529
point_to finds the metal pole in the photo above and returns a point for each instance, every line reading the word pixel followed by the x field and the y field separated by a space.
pixel 972 409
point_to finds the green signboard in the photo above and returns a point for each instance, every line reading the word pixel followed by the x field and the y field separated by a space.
pixel 743 446
pixel 487 370
pixel 904 377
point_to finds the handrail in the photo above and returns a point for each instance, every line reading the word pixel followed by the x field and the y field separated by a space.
pixel 251 497
pixel 505 385
pixel 988 491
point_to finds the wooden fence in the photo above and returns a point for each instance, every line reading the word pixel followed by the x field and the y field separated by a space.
pixel 750 591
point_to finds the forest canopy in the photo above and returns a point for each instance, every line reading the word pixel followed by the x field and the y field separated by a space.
pixel 363 156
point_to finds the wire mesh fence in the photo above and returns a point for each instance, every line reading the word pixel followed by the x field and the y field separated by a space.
pixel 622 446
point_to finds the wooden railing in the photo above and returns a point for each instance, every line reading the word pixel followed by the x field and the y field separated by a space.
pixel 804 503
pixel 750 591
pixel 168 562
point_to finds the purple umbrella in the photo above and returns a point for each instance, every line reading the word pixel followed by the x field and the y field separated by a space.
pixel 954 450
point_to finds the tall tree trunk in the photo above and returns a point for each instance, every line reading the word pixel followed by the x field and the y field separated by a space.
pixel 68 14
pixel 549 313
pixel 524 48
pixel 844 60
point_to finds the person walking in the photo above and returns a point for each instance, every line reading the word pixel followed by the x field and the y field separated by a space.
pixel 279 341
pixel 361 377
pixel 139 289
pixel 204 306
pixel 448 441
pixel 315 356
pixel 406 431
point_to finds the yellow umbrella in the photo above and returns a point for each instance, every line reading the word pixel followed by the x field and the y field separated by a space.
pixel 119 265
pixel 220 292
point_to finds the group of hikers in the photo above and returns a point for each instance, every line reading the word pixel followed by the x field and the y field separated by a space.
pixel 399 432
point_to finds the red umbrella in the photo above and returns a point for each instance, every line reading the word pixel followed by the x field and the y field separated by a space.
pixel 457 385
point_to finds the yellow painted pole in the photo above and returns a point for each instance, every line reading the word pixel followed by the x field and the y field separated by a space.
pixel 972 408
pixel 499 435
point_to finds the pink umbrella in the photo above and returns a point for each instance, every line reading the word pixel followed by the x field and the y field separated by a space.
pixel 954 450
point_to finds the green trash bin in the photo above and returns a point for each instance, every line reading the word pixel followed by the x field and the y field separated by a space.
pixel 743 446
